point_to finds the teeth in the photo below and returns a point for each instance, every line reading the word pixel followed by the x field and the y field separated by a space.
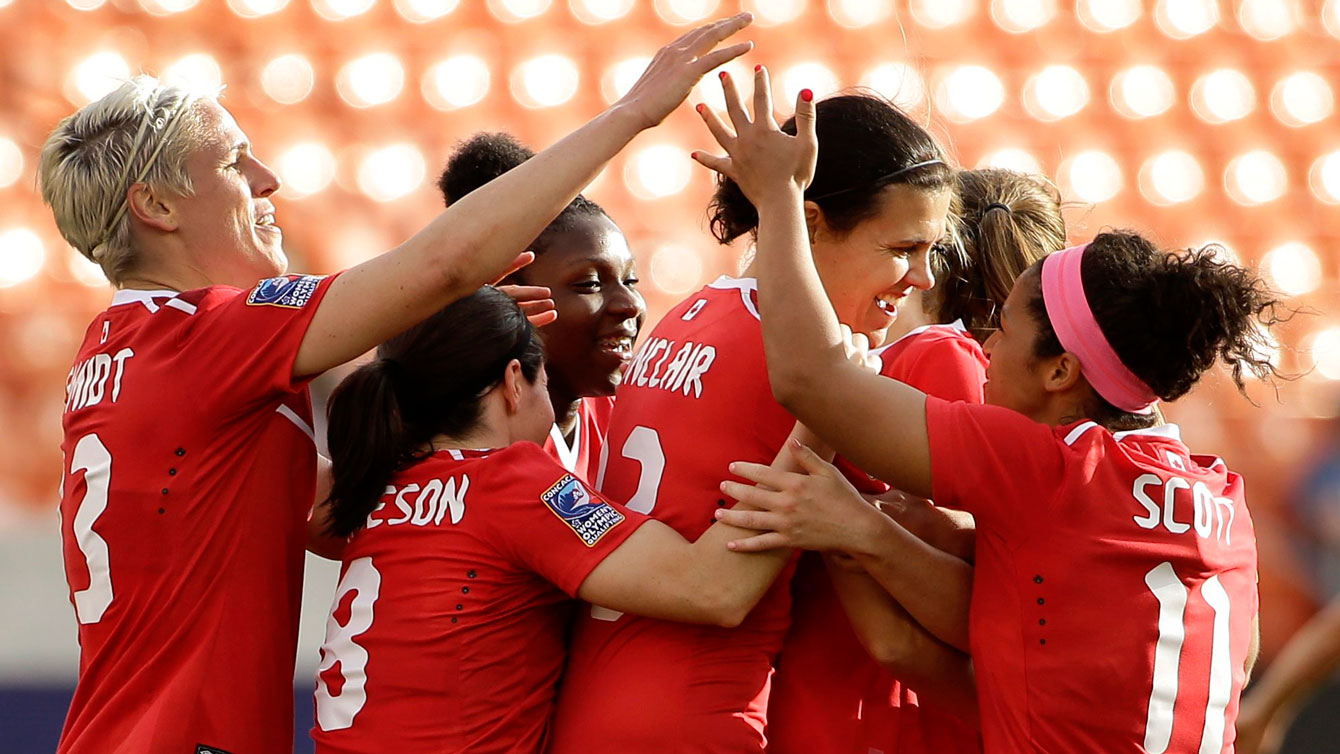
pixel 266 220
pixel 617 343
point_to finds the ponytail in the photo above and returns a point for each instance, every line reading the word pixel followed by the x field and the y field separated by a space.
pixel 368 441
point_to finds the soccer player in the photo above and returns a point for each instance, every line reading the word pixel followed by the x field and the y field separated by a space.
pixel 696 397
pixel 448 627
pixel 829 694
pixel 1114 599
pixel 189 461
pixel 583 259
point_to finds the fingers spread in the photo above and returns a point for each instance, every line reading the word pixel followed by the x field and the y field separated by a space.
pixel 805 116
pixel 718 57
pixel 763 97
pixel 710 35
pixel 721 165
pixel 734 107
pixel 720 131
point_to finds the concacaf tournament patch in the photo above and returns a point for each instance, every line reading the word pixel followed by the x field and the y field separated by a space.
pixel 292 291
pixel 203 749
pixel 589 517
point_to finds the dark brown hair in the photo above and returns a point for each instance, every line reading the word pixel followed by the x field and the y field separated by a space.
pixel 424 382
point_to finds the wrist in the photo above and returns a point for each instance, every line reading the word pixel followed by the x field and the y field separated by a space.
pixel 779 198
pixel 626 121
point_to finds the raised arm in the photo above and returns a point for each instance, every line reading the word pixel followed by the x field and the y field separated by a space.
pixel 475 239
pixel 877 423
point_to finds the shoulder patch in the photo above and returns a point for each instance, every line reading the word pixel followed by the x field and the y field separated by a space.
pixel 290 291
pixel 590 518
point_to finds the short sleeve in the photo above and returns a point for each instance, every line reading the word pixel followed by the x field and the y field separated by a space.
pixel 993 462
pixel 552 523
pixel 247 341
pixel 952 368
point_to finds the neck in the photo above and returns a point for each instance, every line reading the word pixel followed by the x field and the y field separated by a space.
pixel 481 438
pixel 566 406
pixel 911 315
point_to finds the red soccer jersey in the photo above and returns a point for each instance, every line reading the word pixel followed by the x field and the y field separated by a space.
pixel 583 455
pixel 448 625
pixel 695 398
pixel 1115 583
pixel 190 469
pixel 829 696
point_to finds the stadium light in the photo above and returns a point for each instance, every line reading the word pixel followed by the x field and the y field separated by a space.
pixel 371 80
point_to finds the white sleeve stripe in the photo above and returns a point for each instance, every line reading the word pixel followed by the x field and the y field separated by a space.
pixel 177 303
pixel 1078 431
pixel 288 413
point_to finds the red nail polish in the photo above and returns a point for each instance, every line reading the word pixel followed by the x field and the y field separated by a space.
pixel 806 95
pixel 758 68
pixel 698 107
pixel 723 75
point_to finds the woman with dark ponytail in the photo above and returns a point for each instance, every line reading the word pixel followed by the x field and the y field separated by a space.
pixel 696 398
pixel 583 259
pixel 1114 601
pixel 448 627
pixel 829 694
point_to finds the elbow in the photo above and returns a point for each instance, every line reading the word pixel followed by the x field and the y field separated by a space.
pixel 719 605
pixel 790 386
pixel 894 652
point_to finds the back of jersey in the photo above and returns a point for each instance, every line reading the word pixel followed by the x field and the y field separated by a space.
pixel 189 469
pixel 695 398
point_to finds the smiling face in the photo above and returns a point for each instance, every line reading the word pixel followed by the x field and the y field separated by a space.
pixel 227 223
pixel 1015 375
pixel 589 269
pixel 869 271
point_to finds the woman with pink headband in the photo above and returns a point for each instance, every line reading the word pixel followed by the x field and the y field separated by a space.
pixel 1114 601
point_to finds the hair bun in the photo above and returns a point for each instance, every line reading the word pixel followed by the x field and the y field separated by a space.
pixel 478 160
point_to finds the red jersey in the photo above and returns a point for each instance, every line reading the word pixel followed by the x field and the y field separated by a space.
pixel 190 469
pixel 829 696
pixel 695 398
pixel 448 626
pixel 1115 583
pixel 583 454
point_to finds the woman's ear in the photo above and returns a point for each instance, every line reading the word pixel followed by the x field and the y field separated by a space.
pixel 1062 373
pixel 148 207
pixel 512 387
pixel 814 220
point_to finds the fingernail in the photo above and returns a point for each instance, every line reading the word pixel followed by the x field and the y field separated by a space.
pixel 758 68
pixel 722 75
pixel 806 95
pixel 718 513
pixel 698 107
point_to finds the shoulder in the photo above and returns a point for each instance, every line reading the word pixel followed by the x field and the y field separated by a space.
pixel 945 342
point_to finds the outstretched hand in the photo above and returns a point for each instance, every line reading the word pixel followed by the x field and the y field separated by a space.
pixel 760 157
pixel 677 67
pixel 816 510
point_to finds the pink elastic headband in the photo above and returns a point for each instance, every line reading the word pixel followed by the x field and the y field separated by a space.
pixel 1072 319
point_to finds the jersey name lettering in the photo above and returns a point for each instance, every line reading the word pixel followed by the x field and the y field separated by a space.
pixel 655 367
pixel 431 503
pixel 1211 516
pixel 86 384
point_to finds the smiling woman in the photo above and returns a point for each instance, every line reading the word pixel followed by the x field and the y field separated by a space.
pixel 583 259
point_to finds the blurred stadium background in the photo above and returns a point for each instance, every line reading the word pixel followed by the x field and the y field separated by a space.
pixel 1195 120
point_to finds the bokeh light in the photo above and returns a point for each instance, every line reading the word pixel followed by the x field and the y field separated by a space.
pixel 198 72
pixel 1330 17
pixel 167 7
pixel 288 79
pixel 775 12
pixel 621 76
pixel 969 92
pixel 423 11
pixel 1222 96
pixel 938 14
pixel 1183 19
pixel 658 171
pixel 1091 176
pixel 1056 92
pixel 600 11
pixel 1011 158
pixel 1324 178
pixel 900 82
pixel 1293 268
pixel 1108 15
pixel 808 75
pixel 95 76
pixel 683 12
pixel 340 10
pixel 1171 177
pixel 1266 20
pixel 1019 16
pixel 84 270
pixel 459 81
pixel 371 80
pixel 391 172
pixel 1301 99
pixel 857 14
pixel 305 169
pixel 676 268
pixel 709 89
pixel 11 162
pixel 256 8
pixel 515 11
pixel 1324 346
pixel 85 5
pixel 1256 177
pixel 545 81
pixel 1142 91
pixel 21 256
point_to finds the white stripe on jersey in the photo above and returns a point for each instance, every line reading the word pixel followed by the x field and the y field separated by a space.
pixel 745 286
pixel 287 413
pixel 1078 431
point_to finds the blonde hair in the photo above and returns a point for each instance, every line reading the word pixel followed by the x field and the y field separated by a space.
pixel 142 132
pixel 1006 221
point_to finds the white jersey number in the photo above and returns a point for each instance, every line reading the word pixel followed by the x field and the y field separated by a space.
pixel 1172 595
pixel 92 458
pixel 337 712
pixel 644 446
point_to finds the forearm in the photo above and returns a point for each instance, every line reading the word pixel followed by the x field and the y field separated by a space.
pixel 903 648
pixel 474 239
pixel 1306 661
pixel 932 585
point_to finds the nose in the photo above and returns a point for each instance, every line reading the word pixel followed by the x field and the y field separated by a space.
pixel 264 181
pixel 990 343
pixel 625 302
pixel 919 272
